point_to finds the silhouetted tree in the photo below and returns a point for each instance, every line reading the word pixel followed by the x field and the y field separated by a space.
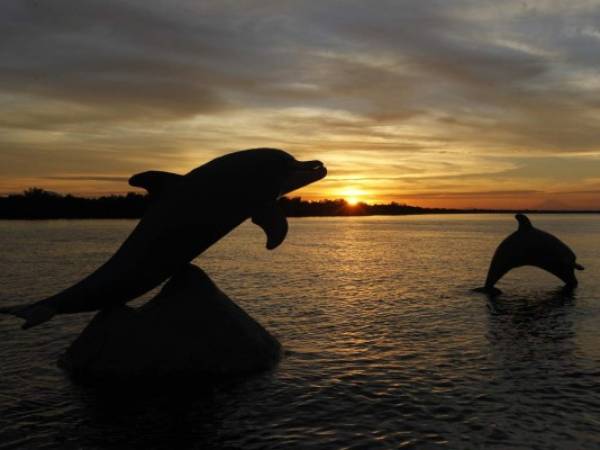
pixel 36 203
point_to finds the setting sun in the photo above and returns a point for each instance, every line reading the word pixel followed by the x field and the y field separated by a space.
pixel 352 195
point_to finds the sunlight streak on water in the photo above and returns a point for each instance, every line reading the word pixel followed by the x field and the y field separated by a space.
pixel 386 345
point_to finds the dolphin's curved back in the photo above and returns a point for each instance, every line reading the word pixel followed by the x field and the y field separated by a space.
pixel 530 246
pixel 187 214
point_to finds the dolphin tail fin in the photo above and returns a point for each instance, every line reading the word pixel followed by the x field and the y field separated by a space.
pixel 34 313
pixel 578 266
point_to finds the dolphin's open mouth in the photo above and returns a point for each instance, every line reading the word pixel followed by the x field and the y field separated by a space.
pixel 302 174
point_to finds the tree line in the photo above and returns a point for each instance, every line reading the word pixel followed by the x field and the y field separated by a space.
pixel 36 203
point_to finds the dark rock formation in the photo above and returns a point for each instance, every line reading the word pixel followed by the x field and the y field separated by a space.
pixel 190 328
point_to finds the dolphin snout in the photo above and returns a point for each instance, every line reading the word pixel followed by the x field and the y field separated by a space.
pixel 303 173
pixel 310 166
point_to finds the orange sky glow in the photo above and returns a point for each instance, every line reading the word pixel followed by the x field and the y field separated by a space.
pixel 456 104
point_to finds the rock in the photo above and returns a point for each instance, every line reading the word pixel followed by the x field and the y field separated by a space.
pixel 191 328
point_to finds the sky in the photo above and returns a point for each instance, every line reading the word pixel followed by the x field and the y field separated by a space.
pixel 449 103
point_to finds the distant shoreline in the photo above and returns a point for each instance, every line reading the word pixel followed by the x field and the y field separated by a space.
pixel 37 204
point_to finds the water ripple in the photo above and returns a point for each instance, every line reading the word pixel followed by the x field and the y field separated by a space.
pixel 386 346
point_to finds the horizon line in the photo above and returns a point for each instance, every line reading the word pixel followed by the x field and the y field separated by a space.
pixel 347 204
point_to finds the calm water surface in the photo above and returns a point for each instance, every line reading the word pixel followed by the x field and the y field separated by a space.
pixel 386 346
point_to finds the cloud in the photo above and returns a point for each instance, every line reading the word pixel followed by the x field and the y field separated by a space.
pixel 88 178
pixel 396 96
pixel 473 194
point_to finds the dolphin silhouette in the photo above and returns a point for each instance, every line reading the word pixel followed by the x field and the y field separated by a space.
pixel 529 246
pixel 187 214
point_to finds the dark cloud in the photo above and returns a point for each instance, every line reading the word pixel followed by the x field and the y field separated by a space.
pixel 88 178
pixel 474 194
pixel 185 58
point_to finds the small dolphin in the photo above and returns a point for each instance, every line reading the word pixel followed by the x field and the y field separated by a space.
pixel 187 214
pixel 529 246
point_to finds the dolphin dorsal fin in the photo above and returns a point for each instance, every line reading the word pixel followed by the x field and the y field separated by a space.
pixel 154 181
pixel 524 222
pixel 272 220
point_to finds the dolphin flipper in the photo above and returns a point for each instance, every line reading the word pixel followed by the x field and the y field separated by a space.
pixel 274 223
pixel 34 313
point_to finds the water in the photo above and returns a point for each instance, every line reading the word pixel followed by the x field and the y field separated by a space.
pixel 387 347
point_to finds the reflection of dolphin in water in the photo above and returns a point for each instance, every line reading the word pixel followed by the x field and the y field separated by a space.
pixel 529 246
pixel 188 214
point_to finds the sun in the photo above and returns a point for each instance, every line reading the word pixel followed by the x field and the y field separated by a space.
pixel 352 195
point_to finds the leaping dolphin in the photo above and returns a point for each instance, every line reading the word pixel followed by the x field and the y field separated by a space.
pixel 187 214
pixel 529 246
